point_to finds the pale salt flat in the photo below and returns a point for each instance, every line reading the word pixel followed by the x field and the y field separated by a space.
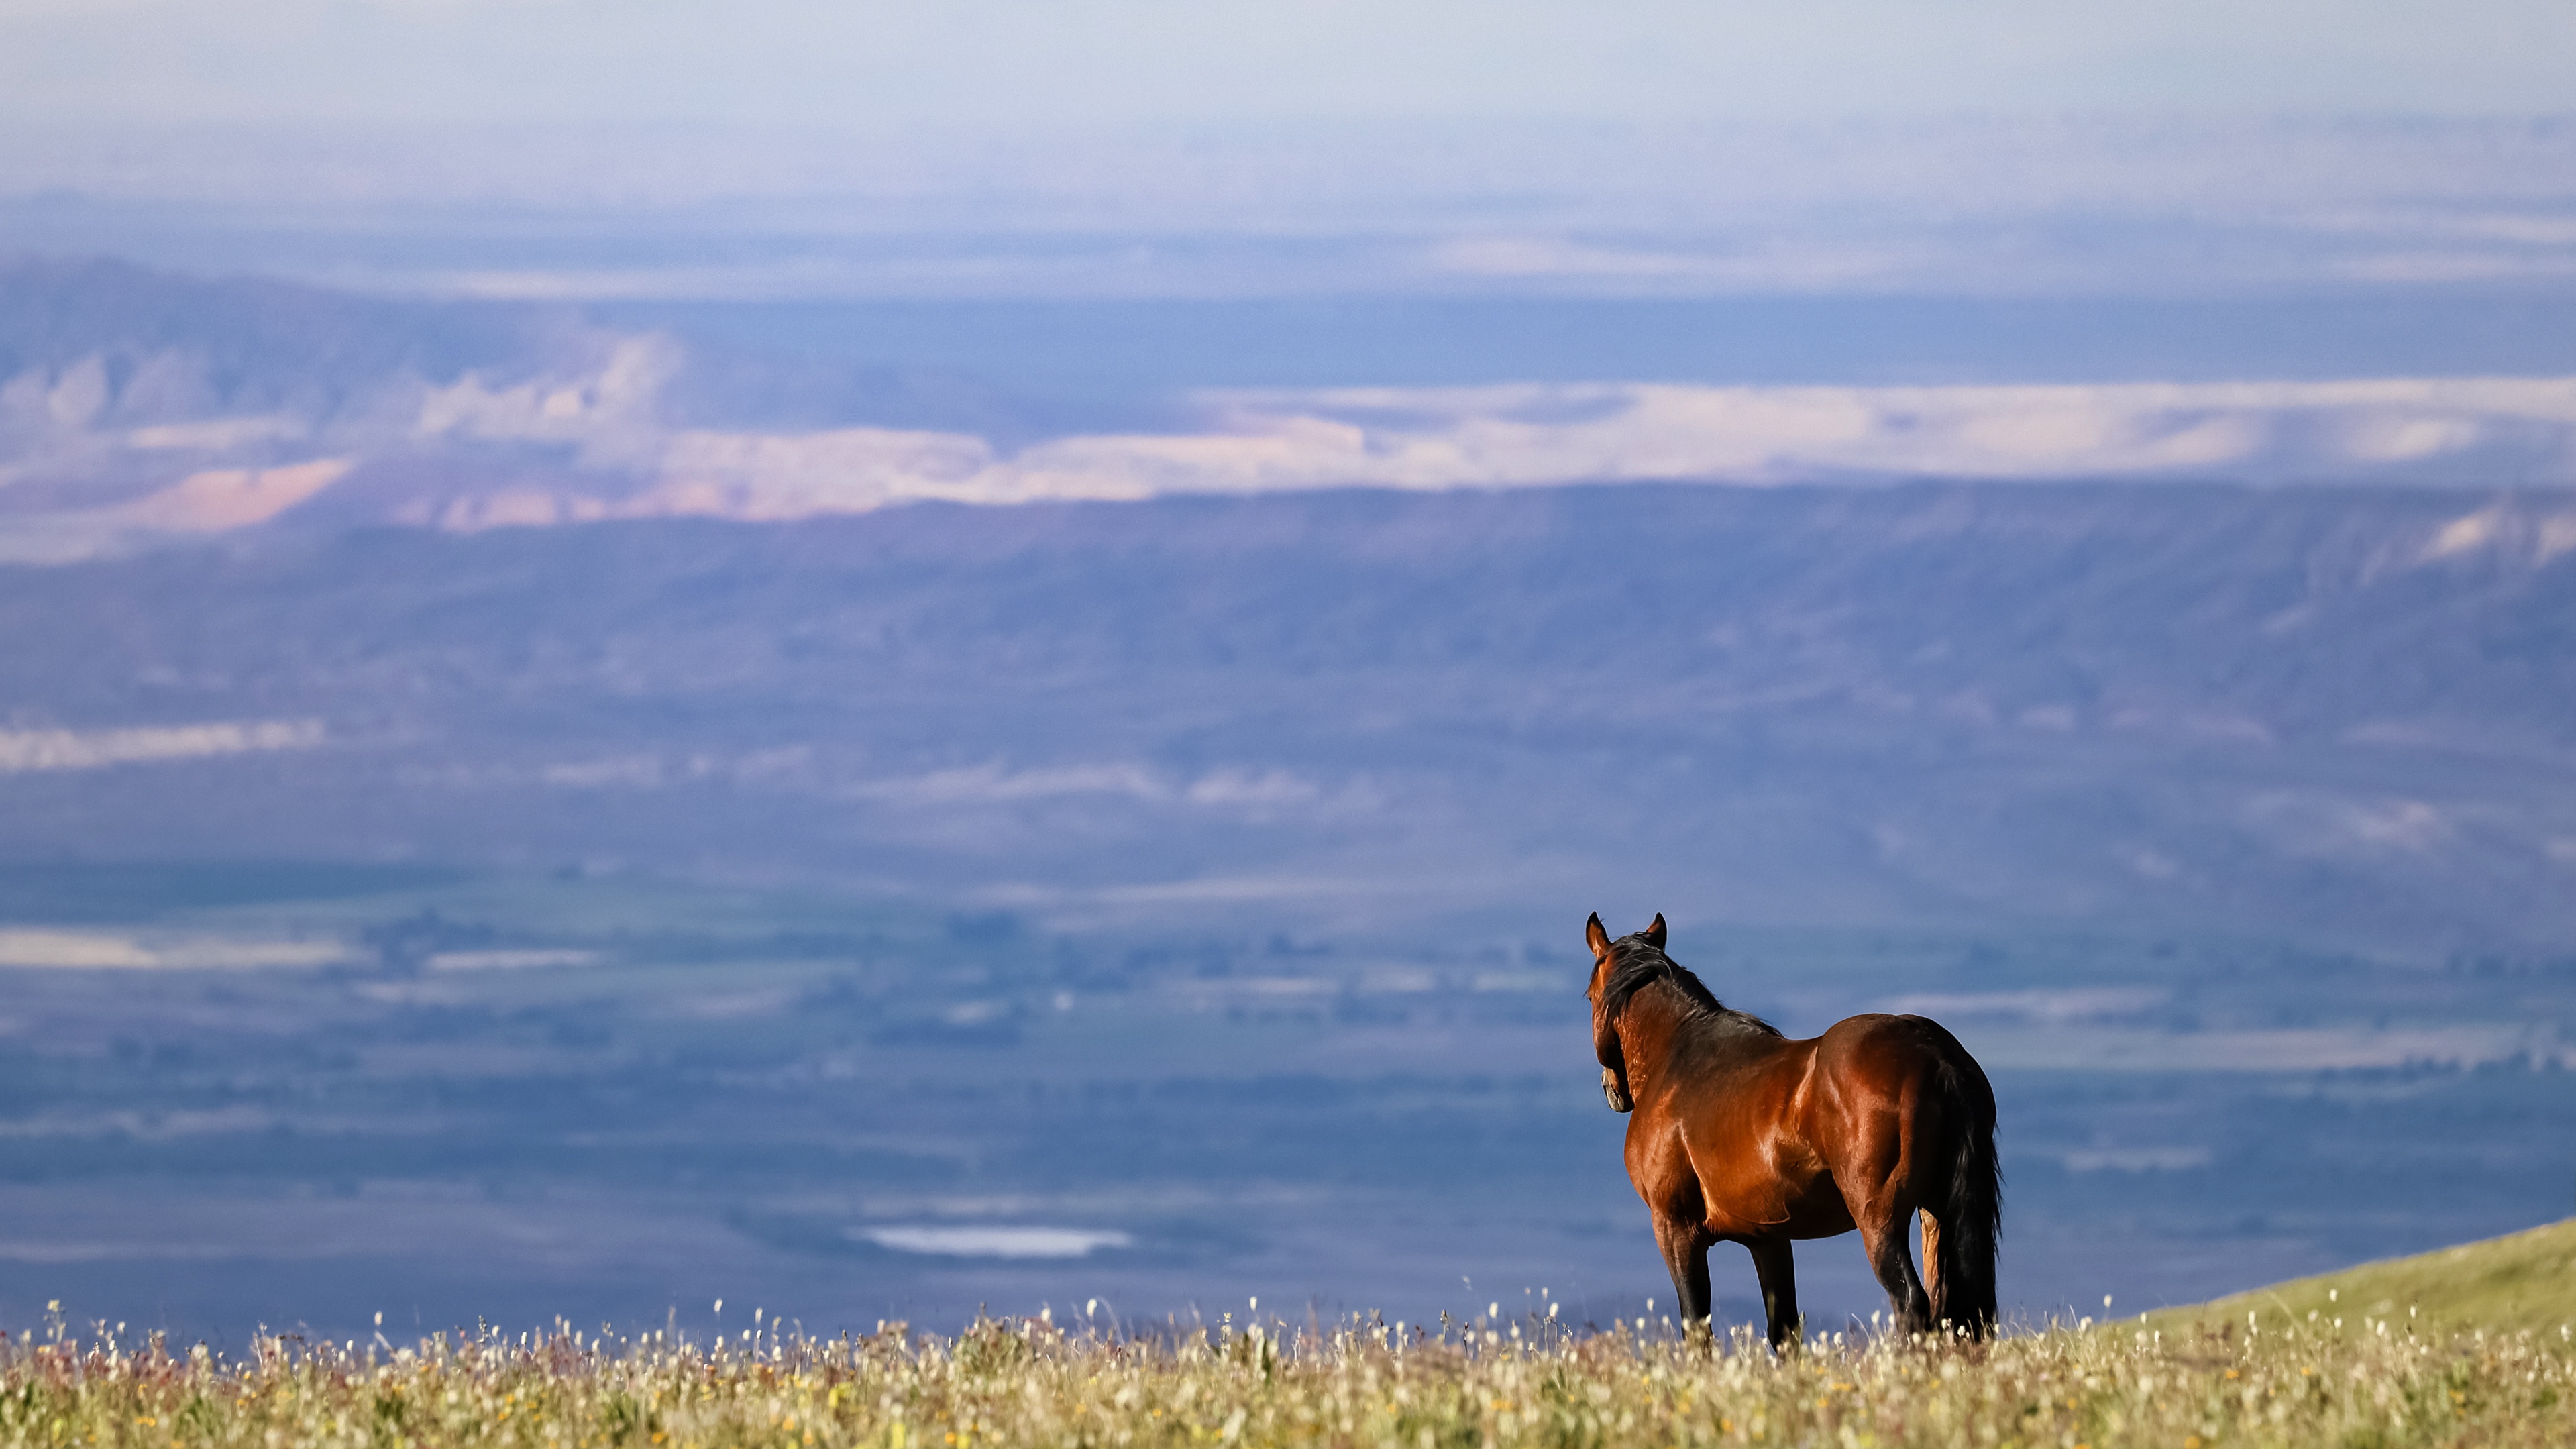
pixel 994 1242
pixel 508 960
pixel 25 751
pixel 40 949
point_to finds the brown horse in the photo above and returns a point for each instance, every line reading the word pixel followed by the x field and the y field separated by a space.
pixel 1740 1135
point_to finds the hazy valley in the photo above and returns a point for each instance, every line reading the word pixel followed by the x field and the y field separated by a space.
pixel 426 891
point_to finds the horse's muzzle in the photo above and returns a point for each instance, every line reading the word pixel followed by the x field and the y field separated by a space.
pixel 1615 1092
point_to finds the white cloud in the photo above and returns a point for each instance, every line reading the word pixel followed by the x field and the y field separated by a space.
pixel 1543 435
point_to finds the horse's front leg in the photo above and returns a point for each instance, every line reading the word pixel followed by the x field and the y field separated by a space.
pixel 1685 1247
pixel 1779 1275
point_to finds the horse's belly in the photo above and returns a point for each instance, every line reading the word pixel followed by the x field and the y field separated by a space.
pixel 1812 1208
pixel 1821 1211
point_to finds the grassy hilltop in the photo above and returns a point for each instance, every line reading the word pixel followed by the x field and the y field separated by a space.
pixel 2523 1280
pixel 2359 1380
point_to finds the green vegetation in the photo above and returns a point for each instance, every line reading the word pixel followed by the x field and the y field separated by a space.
pixel 1363 1383
pixel 2522 1280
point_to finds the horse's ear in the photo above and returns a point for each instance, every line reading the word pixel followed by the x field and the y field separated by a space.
pixel 1595 937
pixel 1655 932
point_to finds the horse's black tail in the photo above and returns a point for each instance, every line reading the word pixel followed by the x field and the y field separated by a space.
pixel 1971 1212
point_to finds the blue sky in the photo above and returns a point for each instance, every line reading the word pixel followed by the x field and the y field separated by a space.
pixel 1015 64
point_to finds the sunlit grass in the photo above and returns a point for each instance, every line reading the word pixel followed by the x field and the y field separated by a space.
pixel 2370 1382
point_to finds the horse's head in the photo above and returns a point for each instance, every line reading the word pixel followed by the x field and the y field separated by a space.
pixel 1605 1028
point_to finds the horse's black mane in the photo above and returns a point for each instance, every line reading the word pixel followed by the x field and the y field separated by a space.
pixel 1634 962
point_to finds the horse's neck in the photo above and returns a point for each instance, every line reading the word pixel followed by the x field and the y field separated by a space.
pixel 1653 1028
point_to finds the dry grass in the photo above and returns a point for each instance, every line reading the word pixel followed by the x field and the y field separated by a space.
pixel 2370 1382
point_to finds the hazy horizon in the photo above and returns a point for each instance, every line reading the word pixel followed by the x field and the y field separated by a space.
pixel 1143 148
pixel 2152 205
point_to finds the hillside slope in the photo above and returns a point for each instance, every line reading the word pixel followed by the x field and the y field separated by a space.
pixel 2523 1280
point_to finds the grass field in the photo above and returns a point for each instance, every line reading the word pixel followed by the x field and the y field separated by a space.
pixel 2354 1382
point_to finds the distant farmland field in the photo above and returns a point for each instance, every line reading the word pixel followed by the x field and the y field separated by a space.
pixel 298 1096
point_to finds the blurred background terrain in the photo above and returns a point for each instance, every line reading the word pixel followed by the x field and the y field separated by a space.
pixel 706 682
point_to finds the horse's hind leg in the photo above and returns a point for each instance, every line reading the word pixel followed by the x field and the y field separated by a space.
pixel 1932 1283
pixel 1779 1274
pixel 1892 1260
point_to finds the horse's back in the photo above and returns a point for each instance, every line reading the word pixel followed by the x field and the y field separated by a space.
pixel 1804 1085
pixel 1880 1045
pixel 1881 1077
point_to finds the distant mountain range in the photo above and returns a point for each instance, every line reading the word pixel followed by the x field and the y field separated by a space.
pixel 296 579
pixel 2334 714
pixel 136 407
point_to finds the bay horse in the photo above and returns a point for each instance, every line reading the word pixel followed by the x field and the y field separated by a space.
pixel 1737 1134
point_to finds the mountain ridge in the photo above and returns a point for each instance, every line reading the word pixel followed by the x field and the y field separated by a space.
pixel 2288 711
pixel 139 409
